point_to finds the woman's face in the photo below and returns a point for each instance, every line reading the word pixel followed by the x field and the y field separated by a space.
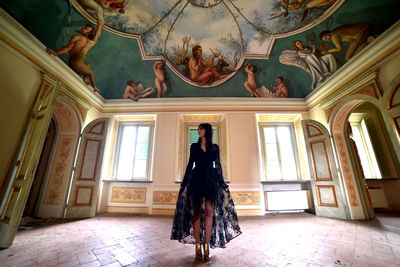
pixel 201 131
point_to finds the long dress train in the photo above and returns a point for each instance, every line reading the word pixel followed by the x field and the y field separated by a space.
pixel 205 182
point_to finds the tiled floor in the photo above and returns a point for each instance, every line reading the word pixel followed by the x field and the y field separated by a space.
pixel 272 240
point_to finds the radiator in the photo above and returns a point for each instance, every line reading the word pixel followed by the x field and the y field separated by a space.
pixel 287 200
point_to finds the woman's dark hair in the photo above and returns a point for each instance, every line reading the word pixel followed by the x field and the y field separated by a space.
pixel 208 135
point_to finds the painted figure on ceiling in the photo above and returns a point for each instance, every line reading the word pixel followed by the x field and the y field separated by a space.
pixel 319 67
pixel 136 92
pixel 115 4
pixel 295 5
pixel 201 71
pixel 182 54
pixel 101 7
pixel 358 35
pixel 160 82
pixel 281 88
pixel 298 4
pixel 77 47
pixel 251 84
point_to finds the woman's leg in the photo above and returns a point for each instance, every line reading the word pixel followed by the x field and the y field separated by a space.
pixel 208 221
pixel 196 227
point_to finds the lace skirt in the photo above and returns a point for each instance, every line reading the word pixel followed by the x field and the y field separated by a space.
pixel 225 224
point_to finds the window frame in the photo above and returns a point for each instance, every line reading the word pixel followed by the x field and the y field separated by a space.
pixel 149 165
pixel 368 149
pixel 261 126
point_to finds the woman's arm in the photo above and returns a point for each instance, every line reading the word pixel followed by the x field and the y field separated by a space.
pixel 219 169
pixel 189 166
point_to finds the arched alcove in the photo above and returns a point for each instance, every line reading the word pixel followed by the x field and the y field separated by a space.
pixel 55 188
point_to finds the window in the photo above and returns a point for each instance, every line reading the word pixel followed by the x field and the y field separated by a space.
pixel 133 153
pixel 278 152
pixel 365 151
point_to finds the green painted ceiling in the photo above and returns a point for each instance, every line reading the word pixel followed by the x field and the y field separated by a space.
pixel 116 59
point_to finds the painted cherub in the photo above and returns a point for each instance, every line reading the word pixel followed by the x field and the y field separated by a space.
pixel 159 81
pixel 281 88
pixel 251 84
pixel 136 92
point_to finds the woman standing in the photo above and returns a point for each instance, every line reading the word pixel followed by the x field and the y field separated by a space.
pixel 205 213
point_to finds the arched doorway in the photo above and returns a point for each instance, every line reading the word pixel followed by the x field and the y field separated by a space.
pixel 53 193
pixel 349 155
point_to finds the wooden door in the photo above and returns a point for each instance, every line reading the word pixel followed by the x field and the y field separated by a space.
pixel 16 188
pixel 82 200
pixel 329 198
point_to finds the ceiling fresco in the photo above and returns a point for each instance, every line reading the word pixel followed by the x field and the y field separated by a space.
pixel 233 30
pixel 205 48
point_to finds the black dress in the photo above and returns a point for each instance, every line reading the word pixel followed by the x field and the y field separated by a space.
pixel 204 182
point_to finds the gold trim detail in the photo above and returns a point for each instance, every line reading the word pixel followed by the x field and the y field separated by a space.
pixel 165 197
pixel 246 198
pixel 128 194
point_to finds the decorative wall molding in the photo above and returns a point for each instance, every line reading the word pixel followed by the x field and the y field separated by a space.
pixel 128 194
pixel 313 130
pixel 326 195
pixel 59 173
pixel 165 197
pixel 394 98
pixel 338 126
pixel 317 162
pixel 83 195
pixel 246 197
pixel 354 86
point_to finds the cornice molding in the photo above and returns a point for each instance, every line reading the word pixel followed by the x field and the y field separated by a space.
pixel 205 104
pixel 366 78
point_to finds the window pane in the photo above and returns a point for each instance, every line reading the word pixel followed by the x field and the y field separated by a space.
pixel 271 152
pixel 371 152
pixel 193 135
pixel 143 134
pixel 273 170
pixel 141 151
pixel 288 161
pixel 126 152
pixel 140 168
pixel 269 135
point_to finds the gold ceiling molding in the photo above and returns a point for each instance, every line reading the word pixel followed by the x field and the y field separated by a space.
pixel 135 117
pixel 278 117
pixel 203 117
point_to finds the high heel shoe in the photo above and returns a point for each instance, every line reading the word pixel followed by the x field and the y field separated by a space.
pixel 199 256
pixel 206 248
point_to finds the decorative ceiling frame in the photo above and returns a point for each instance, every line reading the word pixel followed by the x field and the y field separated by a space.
pixel 244 56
